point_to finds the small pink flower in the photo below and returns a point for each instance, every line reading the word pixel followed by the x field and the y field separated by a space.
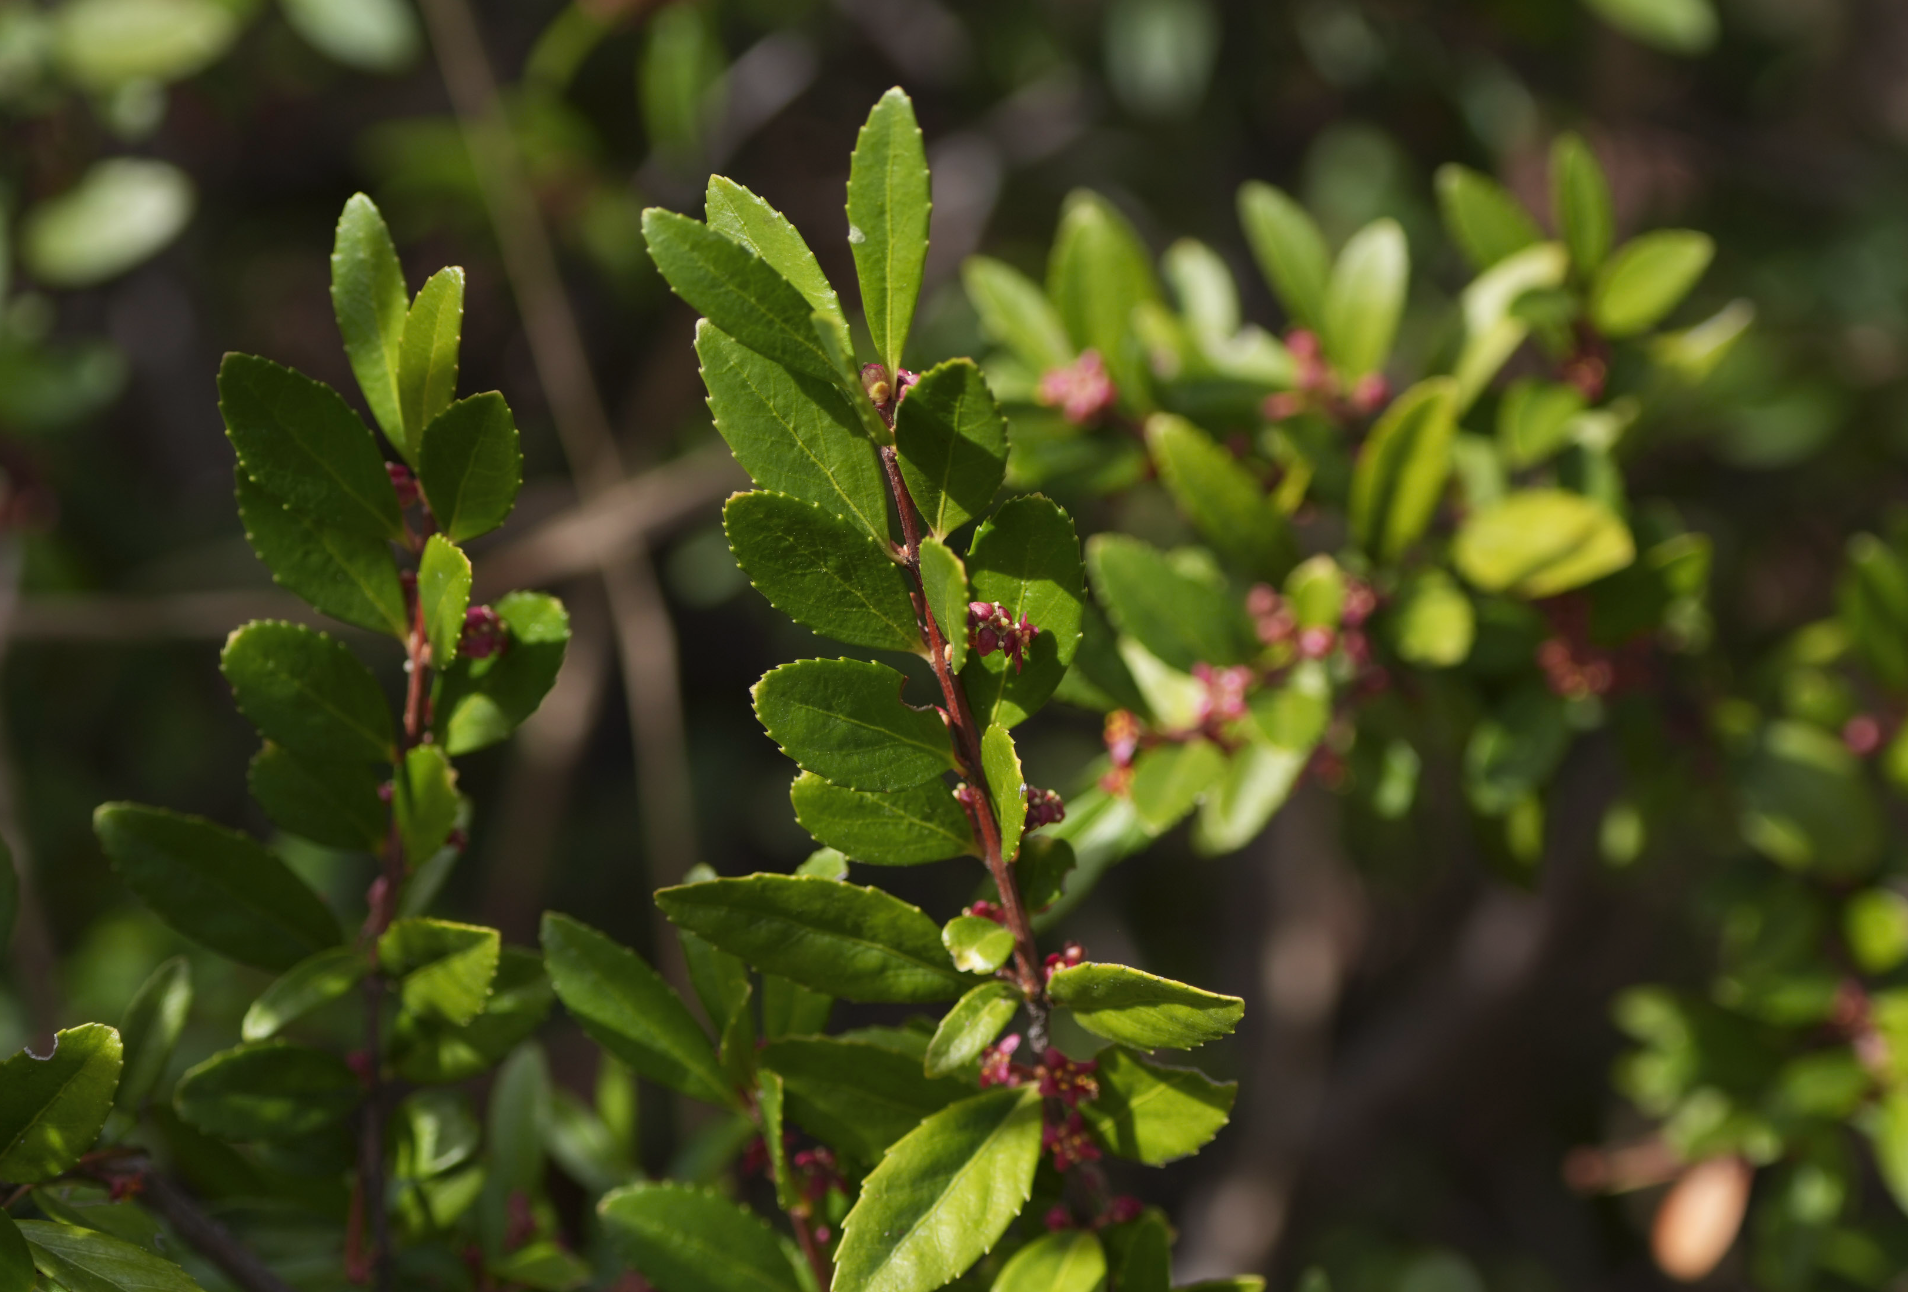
pixel 1082 391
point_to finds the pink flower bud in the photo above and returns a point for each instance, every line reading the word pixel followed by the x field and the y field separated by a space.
pixel 403 481
pixel 484 633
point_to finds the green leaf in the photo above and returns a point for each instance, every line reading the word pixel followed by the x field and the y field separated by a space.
pixel 685 1239
pixel 427 356
pixel 1871 600
pixel 1152 1112
pixel 305 690
pixel 737 291
pixel 905 828
pixel 479 702
pixel 832 937
pixel 102 45
pixel 1170 779
pixel 1066 1260
pixel 977 945
pixel 942 1196
pixel 1220 496
pixel 1140 1253
pixel 470 466
pixel 1255 784
pixel 347 575
pixel 1432 624
pixel 630 1011
pixel 971 1026
pixel 328 801
pixel 1493 328
pixel 123 211
pixel 845 720
pixel 310 984
pixel 85 1260
pixel 1016 313
pixel 791 432
pixel 1141 1010
pixel 1099 272
pixel 1875 923
pixel 790 1009
pixel 426 802
pixel 216 886
pixel 444 970
pixel 51 1109
pixel 368 296
pixel 1539 542
pixel 1005 786
pixel 1203 286
pixel 272 1090
pixel 1534 420
pixel 1181 618
pixel 742 217
pixel 16 1259
pixel 1042 870
pixel 858 1097
pixel 1805 803
pixel 370 35
pixel 150 1028
pixel 1514 750
pixel 944 583
pixel 888 209
pixel 952 441
pixel 1290 250
pixel 1026 559
pixel 1401 469
pixel 519 1107
pixel 1316 592
pixel 1365 298
pixel 1485 221
pixel 1647 278
pixel 542 1266
pixel 426 1050
pixel 443 593
pixel 1677 26
pixel 1580 201
pixel 821 571
pixel 300 442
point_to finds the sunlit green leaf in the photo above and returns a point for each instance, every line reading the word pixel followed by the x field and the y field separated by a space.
pixel 427 351
pixel 855 1096
pixel 150 1028
pixel 51 1109
pixel 1066 1260
pixel 1220 496
pixel 952 442
pixel 1015 312
pixel 470 466
pixel 442 969
pixel 1153 1112
pixel 1580 200
pixel 348 575
pixel 821 571
pixel 480 702
pixel 85 1260
pixel 905 828
pixel 313 982
pixel 686 1239
pixel 741 216
pixel 1402 467
pixel 1142 1010
pixel 272 1090
pixel 1025 559
pixel 1647 278
pixel 1539 542
pixel 1290 250
pixel 888 221
pixel 845 720
pixel 973 1023
pixel 123 211
pixel 368 296
pixel 1182 618
pixel 307 691
pixel 1485 221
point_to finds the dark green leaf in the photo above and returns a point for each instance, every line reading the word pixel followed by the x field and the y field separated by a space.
pixel 367 294
pixel 1026 559
pixel 444 970
pixel 443 594
pixel 1805 803
pixel 587 1149
pixel 944 584
pixel 1514 750
pixel 888 209
pixel 273 1090
pixel 720 979
pixel 942 1196
pixel 1139 1253
pixel 1099 272
pixel 1533 421
pixel 328 801
pixel 821 571
pixel 1152 1112
pixel 770 1103
pixel 85 1260
pixel 1180 617
pixel 469 465
pixel 971 1026
pixel 738 291
pixel 741 216
pixel 426 802
pixel 1365 298
pixel 301 443
pixel 427 1051
pixel 685 1239
pixel 1220 496
pixel 519 1107
pixel 905 828
pixel 791 432
pixel 215 885
pixel 1042 870
pixel 150 1028
pixel 1100 678
pixel 1539 542
pixel 313 982
pixel 347 575
pixel 427 356
pixel 837 938
pixel 1402 467
pixel 1016 313
pixel 952 441
pixel 1485 221
pixel 1066 1260
pixel 1142 1010
pixel 1580 201
pixel 543 1266
pixel 307 691
pixel 1290 251
pixel 860 1098
pixel 16 1259
pixel 1871 599
pixel 1647 278
pixel 630 1010
pixel 51 1109
pixel 845 720
pixel 1005 787
pixel 479 702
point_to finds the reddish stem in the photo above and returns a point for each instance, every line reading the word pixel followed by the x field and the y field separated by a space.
pixel 817 1259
